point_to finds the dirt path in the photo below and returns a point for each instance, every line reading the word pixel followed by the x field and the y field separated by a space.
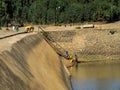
pixel 5 44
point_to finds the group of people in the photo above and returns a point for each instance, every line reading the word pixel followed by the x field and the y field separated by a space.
pixel 15 27
pixel 70 57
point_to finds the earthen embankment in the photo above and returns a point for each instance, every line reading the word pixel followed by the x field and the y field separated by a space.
pixel 30 63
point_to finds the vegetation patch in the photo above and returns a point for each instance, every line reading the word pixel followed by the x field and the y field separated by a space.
pixel 112 32
pixel 58 11
pixel 78 27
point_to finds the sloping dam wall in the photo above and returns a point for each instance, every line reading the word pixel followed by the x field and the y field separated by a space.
pixel 31 64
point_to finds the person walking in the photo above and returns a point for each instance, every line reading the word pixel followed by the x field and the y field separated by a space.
pixel 67 54
pixel 76 58
pixel 13 27
pixel 17 28
pixel 71 58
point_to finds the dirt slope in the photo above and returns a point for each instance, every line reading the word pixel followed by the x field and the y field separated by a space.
pixel 30 64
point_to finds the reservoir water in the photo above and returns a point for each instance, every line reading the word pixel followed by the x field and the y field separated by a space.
pixel 96 77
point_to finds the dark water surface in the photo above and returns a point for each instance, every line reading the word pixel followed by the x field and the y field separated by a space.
pixel 96 77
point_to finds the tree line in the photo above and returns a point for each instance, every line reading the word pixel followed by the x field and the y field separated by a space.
pixel 58 11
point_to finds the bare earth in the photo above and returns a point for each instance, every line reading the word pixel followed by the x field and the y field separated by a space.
pixel 39 68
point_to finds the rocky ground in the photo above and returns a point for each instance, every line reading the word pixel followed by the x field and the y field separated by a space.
pixel 102 41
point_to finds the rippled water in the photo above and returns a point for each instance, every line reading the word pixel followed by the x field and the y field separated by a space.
pixel 96 77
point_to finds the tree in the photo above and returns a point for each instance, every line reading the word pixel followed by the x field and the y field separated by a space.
pixel 58 11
